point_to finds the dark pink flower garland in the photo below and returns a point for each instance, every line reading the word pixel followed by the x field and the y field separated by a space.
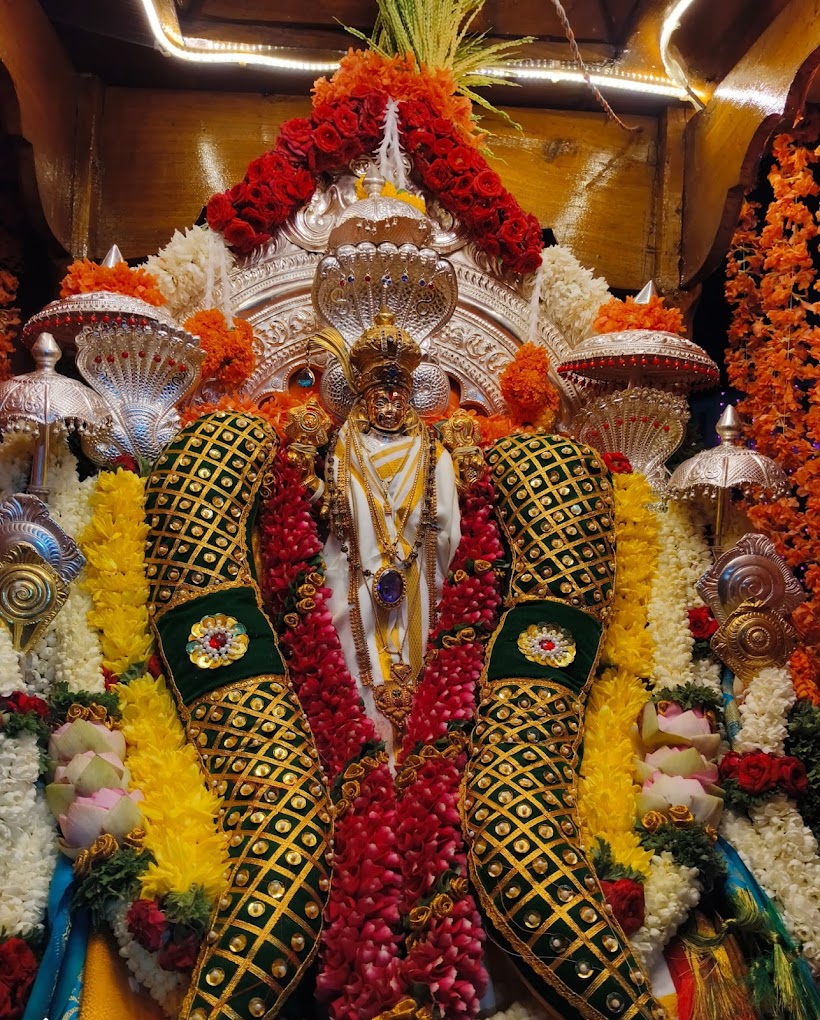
pixel 282 180
pixel 444 952
pixel 360 943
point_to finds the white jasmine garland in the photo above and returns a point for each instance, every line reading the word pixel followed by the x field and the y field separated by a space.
pixel 570 295
pixel 518 1011
pixel 166 987
pixel 670 892
pixel 191 264
pixel 16 449
pixel 684 557
pixel 764 711
pixel 78 661
pixel 27 845
pixel 781 853
pixel 11 679
pixel 39 665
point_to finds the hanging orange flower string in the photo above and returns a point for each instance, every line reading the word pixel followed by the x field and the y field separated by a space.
pixel 617 315
pixel 85 277
pixel 9 320
pixel 528 392
pixel 774 360
pixel 229 358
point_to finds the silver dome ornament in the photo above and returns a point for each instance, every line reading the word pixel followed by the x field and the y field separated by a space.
pixel 715 472
pixel 65 317
pixel 142 372
pixel 380 218
pixel 48 405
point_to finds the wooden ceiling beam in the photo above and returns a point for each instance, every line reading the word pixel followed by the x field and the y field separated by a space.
pixel 724 142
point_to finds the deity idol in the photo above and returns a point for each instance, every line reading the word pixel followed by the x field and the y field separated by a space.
pixel 444 786
pixel 394 519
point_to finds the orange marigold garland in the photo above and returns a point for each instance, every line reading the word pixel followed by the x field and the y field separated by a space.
pixel 525 385
pixel 403 78
pixel 774 360
pixel 85 277
pixel 229 357
pixel 9 320
pixel 617 315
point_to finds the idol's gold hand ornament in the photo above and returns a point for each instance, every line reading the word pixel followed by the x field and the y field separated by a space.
pixel 307 427
pixel 461 435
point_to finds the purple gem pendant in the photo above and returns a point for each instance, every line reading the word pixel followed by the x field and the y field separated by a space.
pixel 389 587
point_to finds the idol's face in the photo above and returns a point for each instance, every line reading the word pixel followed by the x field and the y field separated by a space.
pixel 387 407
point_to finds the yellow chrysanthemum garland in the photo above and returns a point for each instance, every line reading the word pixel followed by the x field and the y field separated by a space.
pixel 180 811
pixel 607 788
pixel 114 547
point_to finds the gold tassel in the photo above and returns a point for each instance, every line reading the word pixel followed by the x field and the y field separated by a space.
pixel 332 341
pixel 718 974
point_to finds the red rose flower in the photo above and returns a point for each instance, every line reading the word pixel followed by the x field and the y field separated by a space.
pixel 439 175
pixel 155 666
pixel 702 623
pixel 791 775
pixel 220 212
pixel 488 184
pixel 345 120
pixel 179 955
pixel 147 924
pixel 417 139
pixel 258 220
pixel 617 463
pixel 326 138
pixel 757 773
pixel 296 136
pixel 626 897
pixel 241 235
pixel 459 159
pixel 23 703
pixel 729 765
pixel 442 146
pixel 415 114
pixel 513 230
pixel 443 128
pixel 293 187
pixel 323 112
pixel 238 194
pixel 18 966
pixel 462 204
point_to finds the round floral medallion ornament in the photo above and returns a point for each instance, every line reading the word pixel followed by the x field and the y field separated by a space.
pixel 547 644
pixel 216 641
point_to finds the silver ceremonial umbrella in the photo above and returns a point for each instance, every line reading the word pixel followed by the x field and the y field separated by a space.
pixel 714 473
pixel 46 403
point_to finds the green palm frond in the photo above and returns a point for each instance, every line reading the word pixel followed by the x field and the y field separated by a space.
pixel 436 32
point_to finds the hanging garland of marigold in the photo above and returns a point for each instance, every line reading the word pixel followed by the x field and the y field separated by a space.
pixel 229 356
pixel 529 394
pixel 774 360
pixel 617 315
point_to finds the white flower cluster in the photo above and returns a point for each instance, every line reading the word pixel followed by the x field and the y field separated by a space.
pixel 27 847
pixel 189 269
pixel 684 556
pixel 781 853
pixel 518 1011
pixel 570 295
pixel 670 892
pixel 16 449
pixel 39 665
pixel 164 986
pixel 10 677
pixel 764 711
pixel 79 656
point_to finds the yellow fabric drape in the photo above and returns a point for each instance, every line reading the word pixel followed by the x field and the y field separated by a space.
pixel 106 989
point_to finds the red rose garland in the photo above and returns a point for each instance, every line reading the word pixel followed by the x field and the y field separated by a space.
pixel 360 942
pixel 758 772
pixel 282 180
pixel 390 861
pixel 18 966
pixel 444 952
